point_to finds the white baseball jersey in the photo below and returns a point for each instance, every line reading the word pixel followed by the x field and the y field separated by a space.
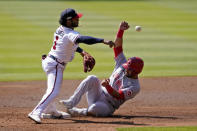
pixel 64 45
pixel 130 87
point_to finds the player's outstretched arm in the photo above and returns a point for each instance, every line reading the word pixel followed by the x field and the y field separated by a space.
pixel 92 40
pixel 119 37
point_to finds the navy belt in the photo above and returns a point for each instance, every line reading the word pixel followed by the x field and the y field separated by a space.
pixel 54 58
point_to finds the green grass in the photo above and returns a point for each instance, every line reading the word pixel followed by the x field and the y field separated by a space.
pixel 158 129
pixel 167 43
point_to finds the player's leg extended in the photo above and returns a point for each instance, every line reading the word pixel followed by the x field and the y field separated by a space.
pixel 98 109
pixel 54 81
pixel 90 84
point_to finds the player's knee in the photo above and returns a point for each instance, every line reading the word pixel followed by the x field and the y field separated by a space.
pixel 93 78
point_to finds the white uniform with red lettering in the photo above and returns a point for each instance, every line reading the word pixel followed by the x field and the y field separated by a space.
pixel 100 102
pixel 64 47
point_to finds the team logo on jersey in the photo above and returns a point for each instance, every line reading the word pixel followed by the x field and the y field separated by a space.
pixel 129 93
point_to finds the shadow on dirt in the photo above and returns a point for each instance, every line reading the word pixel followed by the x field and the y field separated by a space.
pixel 144 116
pixel 124 122
pixel 120 121
pixel 111 122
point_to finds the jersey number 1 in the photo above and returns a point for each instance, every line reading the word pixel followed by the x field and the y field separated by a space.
pixel 55 42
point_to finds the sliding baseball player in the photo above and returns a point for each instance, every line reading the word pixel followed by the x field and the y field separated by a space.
pixel 108 95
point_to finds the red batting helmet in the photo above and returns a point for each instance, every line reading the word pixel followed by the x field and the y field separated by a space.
pixel 134 63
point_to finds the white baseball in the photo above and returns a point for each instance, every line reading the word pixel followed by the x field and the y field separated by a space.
pixel 138 28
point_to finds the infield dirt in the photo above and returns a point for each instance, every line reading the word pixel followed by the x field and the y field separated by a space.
pixel 170 101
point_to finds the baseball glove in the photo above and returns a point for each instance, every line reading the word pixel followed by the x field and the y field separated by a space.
pixel 88 62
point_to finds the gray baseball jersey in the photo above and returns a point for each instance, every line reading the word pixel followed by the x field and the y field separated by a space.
pixel 118 81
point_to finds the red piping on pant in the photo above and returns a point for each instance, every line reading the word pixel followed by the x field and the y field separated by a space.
pixel 53 88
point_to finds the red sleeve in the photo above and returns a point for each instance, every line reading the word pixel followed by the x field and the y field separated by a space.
pixel 118 95
pixel 109 89
pixel 117 51
pixel 120 33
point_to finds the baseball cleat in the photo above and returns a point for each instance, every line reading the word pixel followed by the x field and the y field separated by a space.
pixel 46 116
pixel 63 115
pixel 78 111
pixel 35 118
pixel 68 104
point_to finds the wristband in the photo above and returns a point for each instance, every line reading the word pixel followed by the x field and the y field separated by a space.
pixel 79 50
pixel 120 33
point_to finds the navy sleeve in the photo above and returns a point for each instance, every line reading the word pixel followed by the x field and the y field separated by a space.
pixel 89 40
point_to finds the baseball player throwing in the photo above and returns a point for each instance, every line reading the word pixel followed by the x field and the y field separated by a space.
pixel 65 44
pixel 107 96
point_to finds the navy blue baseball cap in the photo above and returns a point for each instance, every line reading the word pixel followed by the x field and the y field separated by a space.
pixel 70 13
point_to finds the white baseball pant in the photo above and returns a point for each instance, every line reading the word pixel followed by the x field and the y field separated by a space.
pixel 54 72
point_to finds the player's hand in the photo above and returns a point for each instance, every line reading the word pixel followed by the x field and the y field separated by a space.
pixel 124 25
pixel 105 82
pixel 110 43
